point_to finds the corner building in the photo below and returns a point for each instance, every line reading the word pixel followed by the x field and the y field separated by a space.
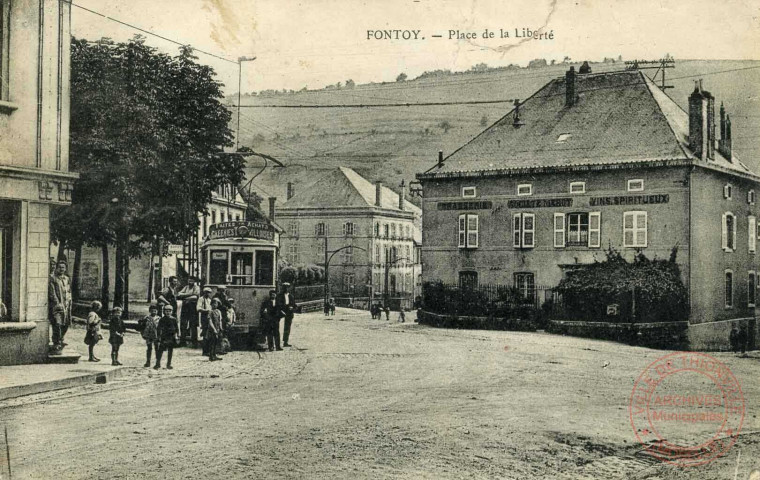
pixel 592 161
pixel 34 165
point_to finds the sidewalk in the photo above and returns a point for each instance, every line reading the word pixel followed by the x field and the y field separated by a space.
pixel 21 380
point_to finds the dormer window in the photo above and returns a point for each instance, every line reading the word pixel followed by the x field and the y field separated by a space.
pixel 727 191
pixel 469 192
pixel 577 187
pixel 524 189
pixel 636 185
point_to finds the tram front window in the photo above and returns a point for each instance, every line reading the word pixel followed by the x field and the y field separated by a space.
pixel 218 267
pixel 264 267
pixel 242 268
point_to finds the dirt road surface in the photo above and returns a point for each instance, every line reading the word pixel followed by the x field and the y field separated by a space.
pixel 366 399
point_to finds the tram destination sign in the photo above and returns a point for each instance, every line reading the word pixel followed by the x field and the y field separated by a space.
pixel 257 230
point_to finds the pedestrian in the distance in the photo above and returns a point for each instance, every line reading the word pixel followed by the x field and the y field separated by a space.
pixel 742 339
pixel 224 336
pixel 733 338
pixel 93 336
pixel 332 306
pixel 387 311
pixel 214 329
pixel 167 332
pixel 169 294
pixel 116 336
pixel 401 315
pixel 148 327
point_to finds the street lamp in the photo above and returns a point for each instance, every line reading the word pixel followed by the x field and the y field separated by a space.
pixel 240 87
pixel 327 264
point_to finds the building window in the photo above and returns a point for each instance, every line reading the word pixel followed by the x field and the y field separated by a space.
pixel 293 229
pixel 348 229
pixel 222 216
pixel 213 217
pixel 636 185
pixel 348 282
pixel 729 289
pixel 468 280
pixel 377 229
pixel 320 230
pixel 751 288
pixel 393 230
pixel 524 230
pixel 408 232
pixel 728 232
pixel 293 257
pixel 635 229
pixel 525 285
pixel 468 231
pixel 751 235
pixel 377 254
pixel 727 191
pixel 524 189
pixel 577 187
pixel 237 217
pixel 348 256
pixel 385 230
pixel 751 197
pixel 407 253
pixel 469 192
pixel 577 229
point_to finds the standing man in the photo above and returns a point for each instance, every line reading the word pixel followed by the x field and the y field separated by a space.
pixel 59 304
pixel 169 295
pixel 288 307
pixel 204 309
pixel 189 316
pixel 270 320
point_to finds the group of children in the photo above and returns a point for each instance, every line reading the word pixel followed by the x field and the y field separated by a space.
pixel 161 333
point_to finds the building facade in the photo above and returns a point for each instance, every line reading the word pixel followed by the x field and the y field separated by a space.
pixel 34 165
pixel 374 228
pixel 592 162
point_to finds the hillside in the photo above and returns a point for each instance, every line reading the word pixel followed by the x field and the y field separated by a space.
pixel 394 143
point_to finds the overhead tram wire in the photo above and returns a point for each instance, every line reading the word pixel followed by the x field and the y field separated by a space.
pixel 148 32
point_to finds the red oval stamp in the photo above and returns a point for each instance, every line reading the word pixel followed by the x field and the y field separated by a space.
pixel 687 408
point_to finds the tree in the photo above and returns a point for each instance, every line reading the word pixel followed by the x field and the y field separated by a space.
pixel 350 83
pixel 148 131
pixel 445 126
pixel 401 77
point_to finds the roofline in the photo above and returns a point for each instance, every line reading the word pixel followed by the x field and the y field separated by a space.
pixel 324 211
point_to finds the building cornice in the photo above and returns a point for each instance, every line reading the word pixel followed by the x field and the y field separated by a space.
pixel 342 211
pixel 28 173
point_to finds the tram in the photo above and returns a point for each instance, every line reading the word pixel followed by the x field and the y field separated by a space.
pixel 242 256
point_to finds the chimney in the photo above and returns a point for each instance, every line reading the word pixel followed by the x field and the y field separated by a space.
pixel 440 158
pixel 401 196
pixel 272 201
pixel 291 192
pixel 698 122
pixel 570 87
pixel 724 144
pixel 585 69
pixel 379 193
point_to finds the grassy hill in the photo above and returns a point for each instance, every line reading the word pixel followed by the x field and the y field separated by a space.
pixel 394 143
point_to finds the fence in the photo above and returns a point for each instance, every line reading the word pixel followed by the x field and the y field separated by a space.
pixel 488 300
pixel 307 293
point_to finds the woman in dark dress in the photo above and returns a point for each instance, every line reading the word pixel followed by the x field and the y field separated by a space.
pixel 116 337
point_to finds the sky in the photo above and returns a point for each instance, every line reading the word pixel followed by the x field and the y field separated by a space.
pixel 314 43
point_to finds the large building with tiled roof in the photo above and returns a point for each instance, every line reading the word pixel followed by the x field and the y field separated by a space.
pixel 593 161
pixel 379 227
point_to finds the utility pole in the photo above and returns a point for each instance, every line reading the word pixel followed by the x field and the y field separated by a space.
pixel 327 270
pixel 240 87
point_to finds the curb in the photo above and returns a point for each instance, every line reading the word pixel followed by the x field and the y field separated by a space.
pixel 59 384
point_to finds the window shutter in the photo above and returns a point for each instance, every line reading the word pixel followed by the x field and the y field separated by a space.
pixel 529 230
pixel 724 232
pixel 516 229
pixel 462 237
pixel 472 230
pixel 559 230
pixel 594 229
pixel 752 240
pixel 733 234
